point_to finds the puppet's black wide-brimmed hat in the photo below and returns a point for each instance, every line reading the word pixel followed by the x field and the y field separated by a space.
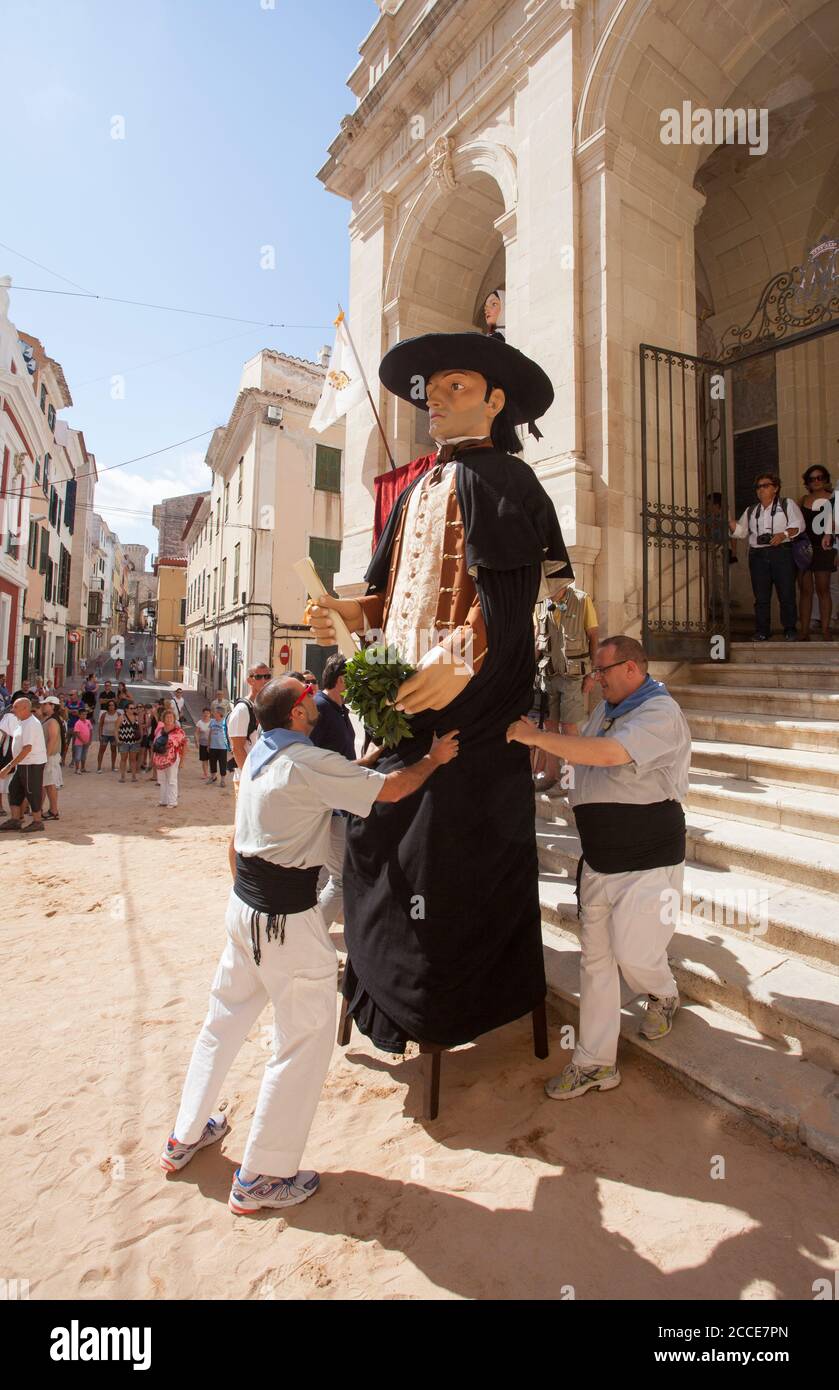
pixel 407 367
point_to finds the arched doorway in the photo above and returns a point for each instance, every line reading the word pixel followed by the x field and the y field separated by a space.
pixel 691 234
pixel 450 252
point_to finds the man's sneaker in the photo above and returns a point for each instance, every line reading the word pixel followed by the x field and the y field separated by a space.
pixel 11 825
pixel 176 1156
pixel 248 1197
pixel 658 1019
pixel 575 1081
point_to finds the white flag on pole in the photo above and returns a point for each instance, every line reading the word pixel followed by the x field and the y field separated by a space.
pixel 344 385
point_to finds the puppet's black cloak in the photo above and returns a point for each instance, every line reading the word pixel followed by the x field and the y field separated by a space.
pixel 441 894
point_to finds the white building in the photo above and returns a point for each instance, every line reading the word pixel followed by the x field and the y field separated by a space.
pixel 20 429
pixel 275 498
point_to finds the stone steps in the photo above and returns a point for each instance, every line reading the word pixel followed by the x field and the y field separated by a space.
pixel 779 653
pixel 778 676
pixel 786 999
pixel 802 811
pixel 760 851
pixel 768 731
pixel 796 919
pixel 724 1057
pixel 772 766
pixel 776 703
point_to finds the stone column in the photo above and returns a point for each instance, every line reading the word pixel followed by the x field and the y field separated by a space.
pixel 636 239
pixel 543 282
pixel 371 235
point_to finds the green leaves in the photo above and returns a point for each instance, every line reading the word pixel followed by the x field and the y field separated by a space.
pixel 373 677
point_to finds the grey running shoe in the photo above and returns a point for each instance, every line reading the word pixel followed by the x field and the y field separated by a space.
pixel 658 1019
pixel 248 1197
pixel 176 1156
pixel 575 1081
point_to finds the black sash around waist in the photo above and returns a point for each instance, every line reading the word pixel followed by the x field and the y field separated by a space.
pixel 620 838
pixel 273 888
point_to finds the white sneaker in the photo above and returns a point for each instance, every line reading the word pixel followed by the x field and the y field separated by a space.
pixel 248 1197
pixel 658 1020
pixel 176 1155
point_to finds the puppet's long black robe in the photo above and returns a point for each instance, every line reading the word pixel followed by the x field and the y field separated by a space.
pixel 441 895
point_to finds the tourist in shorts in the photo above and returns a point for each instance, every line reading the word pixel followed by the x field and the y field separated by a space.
pixel 54 742
pixel 82 735
pixel 129 740
pixel 108 722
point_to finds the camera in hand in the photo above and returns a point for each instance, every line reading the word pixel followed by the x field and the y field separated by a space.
pixel 765 539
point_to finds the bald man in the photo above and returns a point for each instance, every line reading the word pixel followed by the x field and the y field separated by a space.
pixel 25 769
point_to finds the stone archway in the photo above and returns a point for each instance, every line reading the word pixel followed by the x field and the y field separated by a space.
pixel 645 209
pixel 452 239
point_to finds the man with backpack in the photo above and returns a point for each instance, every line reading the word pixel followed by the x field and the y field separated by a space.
pixel 566 641
pixel 242 730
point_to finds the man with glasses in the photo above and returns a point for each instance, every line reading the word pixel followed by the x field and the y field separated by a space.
pixel 243 731
pixel 771 525
pixel 278 945
pixel 631 766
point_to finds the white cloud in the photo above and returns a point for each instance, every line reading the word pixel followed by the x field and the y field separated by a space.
pixel 125 498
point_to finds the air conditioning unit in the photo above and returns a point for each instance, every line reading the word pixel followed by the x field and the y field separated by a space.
pixel 274 415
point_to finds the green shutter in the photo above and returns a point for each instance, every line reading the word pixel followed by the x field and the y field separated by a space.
pixel 327 468
pixel 326 558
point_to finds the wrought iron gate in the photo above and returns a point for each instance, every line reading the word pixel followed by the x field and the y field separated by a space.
pixel 684 504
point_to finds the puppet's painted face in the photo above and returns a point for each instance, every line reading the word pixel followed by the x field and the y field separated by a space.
pixel 456 405
pixel 492 310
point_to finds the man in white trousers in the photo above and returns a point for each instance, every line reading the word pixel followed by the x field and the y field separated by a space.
pixel 278 945
pixel 631 765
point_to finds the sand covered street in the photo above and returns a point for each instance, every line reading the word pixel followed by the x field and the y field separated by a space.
pixel 111 928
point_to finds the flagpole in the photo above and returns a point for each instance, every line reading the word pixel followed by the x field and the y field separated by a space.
pixel 342 319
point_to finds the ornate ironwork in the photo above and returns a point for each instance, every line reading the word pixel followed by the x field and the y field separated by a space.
pixel 791 302
pixel 684 503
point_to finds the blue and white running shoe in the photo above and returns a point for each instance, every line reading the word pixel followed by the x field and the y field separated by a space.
pixel 176 1156
pixel 247 1197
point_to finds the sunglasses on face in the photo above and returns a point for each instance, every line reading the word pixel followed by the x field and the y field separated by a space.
pixel 259 675
pixel 310 690
pixel 816 478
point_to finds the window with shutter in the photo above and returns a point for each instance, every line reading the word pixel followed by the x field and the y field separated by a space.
pixel 327 468
pixel 45 550
pixel 326 558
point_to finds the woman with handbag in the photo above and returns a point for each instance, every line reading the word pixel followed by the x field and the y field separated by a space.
pixel 168 753
pixel 771 525
pixel 817 509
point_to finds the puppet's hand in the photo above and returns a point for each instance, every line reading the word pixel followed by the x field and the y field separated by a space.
pixel 440 679
pixel 522 732
pixel 319 612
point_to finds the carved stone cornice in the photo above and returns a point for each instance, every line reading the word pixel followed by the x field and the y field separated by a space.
pixel 545 22
pixel 372 213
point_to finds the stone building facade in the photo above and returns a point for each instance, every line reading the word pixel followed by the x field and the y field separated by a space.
pixel 527 145
pixel 276 497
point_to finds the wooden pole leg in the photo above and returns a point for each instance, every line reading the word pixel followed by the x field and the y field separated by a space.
pixel 431 1054
pixel 540 1030
pixel 344 1024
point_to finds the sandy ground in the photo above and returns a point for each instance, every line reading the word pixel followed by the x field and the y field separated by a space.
pixel 111 927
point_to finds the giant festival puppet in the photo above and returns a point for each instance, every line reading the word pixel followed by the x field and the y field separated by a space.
pixel 442 919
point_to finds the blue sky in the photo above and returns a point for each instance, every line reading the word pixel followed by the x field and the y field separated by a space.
pixel 228 110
